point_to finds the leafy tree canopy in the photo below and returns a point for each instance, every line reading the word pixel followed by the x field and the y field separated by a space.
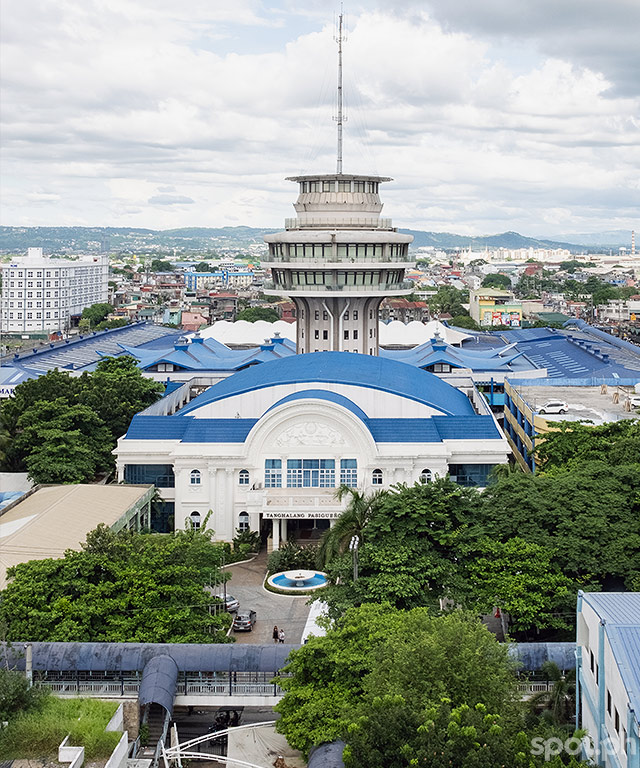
pixel 124 587
pixel 159 265
pixel 62 428
pixel 571 444
pixel 251 314
pixel 464 321
pixel 203 266
pixel 449 300
pixel 96 313
pixel 496 280
pixel 376 651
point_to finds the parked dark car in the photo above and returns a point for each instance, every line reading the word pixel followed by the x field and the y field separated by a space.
pixel 244 621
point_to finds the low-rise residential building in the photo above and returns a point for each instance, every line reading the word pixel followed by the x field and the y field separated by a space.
pixel 608 676
pixel 491 307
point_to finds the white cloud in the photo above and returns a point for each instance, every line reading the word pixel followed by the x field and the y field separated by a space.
pixel 163 114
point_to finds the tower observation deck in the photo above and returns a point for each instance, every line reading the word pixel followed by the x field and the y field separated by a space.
pixel 337 260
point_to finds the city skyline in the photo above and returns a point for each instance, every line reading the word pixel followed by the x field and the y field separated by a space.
pixel 489 118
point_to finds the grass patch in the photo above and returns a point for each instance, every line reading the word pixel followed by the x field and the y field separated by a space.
pixel 38 733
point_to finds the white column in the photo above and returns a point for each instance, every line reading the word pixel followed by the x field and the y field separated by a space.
pixel 276 534
pixel 283 529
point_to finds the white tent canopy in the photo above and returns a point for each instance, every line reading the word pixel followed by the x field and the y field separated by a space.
pixel 394 333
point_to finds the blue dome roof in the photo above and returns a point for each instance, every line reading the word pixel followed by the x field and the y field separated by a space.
pixel 342 368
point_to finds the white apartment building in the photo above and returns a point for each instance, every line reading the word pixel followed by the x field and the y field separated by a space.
pixel 41 294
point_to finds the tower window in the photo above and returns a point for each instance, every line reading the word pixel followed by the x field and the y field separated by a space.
pixel 325 335
pixel 195 477
pixel 355 335
pixel 425 476
pixel 376 477
pixel 243 477
pixel 195 520
pixel 346 335
pixel 243 521
pixel 346 315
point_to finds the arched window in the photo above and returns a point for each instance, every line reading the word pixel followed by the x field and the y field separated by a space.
pixel 376 477
pixel 243 521
pixel 425 476
pixel 195 477
pixel 243 477
pixel 195 519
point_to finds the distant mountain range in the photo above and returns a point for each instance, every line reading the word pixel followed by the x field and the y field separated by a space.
pixel 194 239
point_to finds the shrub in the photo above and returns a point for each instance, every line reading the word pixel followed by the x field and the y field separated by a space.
pixel 246 541
pixel 291 556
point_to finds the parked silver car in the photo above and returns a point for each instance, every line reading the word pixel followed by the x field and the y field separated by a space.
pixel 231 604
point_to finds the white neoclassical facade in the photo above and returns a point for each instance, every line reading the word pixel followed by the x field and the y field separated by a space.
pixel 267 448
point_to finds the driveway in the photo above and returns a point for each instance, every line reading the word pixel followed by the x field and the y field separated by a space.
pixel 286 612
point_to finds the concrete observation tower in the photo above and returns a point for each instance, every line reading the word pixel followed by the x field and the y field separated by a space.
pixel 338 259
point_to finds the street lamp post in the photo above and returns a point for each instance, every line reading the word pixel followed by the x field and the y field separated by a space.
pixel 353 547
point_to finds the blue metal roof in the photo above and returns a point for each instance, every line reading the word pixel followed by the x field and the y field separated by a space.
pixel 208 354
pixel 189 430
pixel 342 368
pixel 431 430
pixel 436 351
pixel 620 613
pixel 625 644
pixel 622 608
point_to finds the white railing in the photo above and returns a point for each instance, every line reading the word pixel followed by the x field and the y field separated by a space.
pixel 191 688
pixel 528 689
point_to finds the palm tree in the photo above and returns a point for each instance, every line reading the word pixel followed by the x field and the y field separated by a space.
pixel 351 522
pixel 558 703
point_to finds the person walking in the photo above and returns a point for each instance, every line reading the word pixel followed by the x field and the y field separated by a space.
pixel 281 636
pixel 275 635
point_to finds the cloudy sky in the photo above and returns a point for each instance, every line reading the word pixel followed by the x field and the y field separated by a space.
pixel 490 116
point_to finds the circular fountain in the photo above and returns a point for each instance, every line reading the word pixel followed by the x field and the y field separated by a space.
pixel 298 581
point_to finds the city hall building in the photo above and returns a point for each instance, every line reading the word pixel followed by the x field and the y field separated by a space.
pixel 267 447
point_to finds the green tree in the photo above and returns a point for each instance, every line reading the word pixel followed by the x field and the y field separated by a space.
pixel 464 321
pixel 449 300
pixel 158 265
pixel 497 280
pixel 587 515
pixel 335 678
pixel 351 522
pixel 519 578
pixel 117 322
pixel 96 313
pixel 393 732
pixel 408 551
pixel 84 326
pixel 571 444
pixel 203 266
pixel 251 314
pixel 116 391
pixel 125 587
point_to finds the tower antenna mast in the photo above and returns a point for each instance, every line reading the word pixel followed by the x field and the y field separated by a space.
pixel 339 39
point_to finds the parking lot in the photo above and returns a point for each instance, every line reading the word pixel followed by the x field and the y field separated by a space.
pixel 287 612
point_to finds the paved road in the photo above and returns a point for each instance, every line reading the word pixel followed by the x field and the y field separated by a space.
pixel 287 612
